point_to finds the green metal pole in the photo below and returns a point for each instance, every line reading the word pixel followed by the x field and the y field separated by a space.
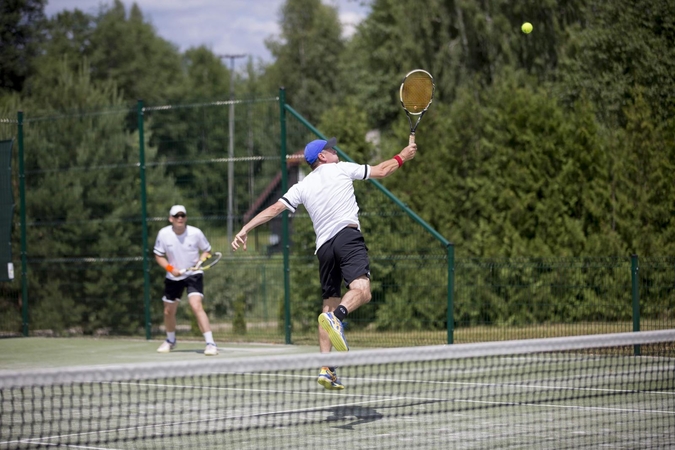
pixel 264 293
pixel 451 294
pixel 284 218
pixel 635 284
pixel 144 222
pixel 24 252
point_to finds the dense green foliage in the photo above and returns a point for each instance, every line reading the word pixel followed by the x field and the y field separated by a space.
pixel 21 23
pixel 559 143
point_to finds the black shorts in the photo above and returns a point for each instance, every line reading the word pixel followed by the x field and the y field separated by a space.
pixel 344 257
pixel 173 290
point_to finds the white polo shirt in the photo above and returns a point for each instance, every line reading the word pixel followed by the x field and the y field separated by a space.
pixel 328 195
pixel 182 251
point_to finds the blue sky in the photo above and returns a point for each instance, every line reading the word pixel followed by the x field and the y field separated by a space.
pixel 224 26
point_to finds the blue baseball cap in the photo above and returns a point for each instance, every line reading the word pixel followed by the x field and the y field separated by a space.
pixel 313 149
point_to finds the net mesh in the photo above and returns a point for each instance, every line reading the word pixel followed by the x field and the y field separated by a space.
pixel 417 91
pixel 579 392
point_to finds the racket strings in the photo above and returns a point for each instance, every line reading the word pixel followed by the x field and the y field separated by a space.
pixel 417 92
pixel 211 260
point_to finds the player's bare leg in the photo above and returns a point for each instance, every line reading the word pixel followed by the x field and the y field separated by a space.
pixel 203 322
pixel 358 295
pixel 170 316
pixel 170 326
pixel 197 308
pixel 328 375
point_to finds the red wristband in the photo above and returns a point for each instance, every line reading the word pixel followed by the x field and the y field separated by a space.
pixel 398 160
pixel 169 268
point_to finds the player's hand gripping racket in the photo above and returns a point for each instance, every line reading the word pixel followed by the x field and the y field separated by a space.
pixel 417 92
pixel 204 265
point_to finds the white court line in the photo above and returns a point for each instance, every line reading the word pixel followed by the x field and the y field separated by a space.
pixel 36 441
pixel 465 383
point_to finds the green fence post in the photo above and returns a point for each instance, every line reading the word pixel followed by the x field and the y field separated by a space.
pixel 451 294
pixel 144 222
pixel 22 206
pixel 635 284
pixel 284 218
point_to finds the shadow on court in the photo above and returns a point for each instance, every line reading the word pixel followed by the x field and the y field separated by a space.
pixel 364 414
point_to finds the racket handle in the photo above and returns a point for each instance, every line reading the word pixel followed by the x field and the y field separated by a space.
pixel 411 139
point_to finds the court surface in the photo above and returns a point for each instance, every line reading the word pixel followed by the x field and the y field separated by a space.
pixel 589 401
pixel 38 352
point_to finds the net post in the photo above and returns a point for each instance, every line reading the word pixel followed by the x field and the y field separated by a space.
pixel 22 206
pixel 284 217
pixel 450 316
pixel 635 285
pixel 144 221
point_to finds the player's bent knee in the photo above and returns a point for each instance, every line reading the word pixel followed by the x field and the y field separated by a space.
pixel 365 294
pixel 196 303
pixel 170 309
pixel 362 286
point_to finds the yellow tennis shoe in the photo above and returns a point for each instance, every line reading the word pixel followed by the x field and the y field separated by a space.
pixel 328 379
pixel 335 330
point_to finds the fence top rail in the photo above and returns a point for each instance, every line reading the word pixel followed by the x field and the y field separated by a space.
pixel 216 103
pixel 76 114
pixel 129 109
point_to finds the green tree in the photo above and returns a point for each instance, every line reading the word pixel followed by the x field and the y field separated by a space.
pixel 84 202
pixel 511 174
pixel 68 37
pixel 126 49
pixel 643 167
pixel 118 46
pixel 206 76
pixel 621 45
pixel 21 23
pixel 460 42
pixel 306 56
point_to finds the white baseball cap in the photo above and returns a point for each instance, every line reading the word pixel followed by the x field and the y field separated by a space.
pixel 175 209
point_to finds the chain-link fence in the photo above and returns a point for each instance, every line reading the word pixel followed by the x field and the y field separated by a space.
pixel 99 185
pixel 521 298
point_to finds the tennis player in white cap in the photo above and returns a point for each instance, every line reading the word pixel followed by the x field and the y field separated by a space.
pixel 179 246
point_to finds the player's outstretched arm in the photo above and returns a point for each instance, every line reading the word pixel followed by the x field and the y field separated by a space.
pixel 386 168
pixel 262 217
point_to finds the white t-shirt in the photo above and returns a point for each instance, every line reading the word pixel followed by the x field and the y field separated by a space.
pixel 182 251
pixel 328 195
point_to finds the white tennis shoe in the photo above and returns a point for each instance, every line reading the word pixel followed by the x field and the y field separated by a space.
pixel 211 350
pixel 166 346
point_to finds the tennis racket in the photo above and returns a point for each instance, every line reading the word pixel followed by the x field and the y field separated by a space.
pixel 204 265
pixel 417 93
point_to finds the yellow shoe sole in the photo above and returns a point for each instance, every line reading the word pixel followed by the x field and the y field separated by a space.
pixel 334 336
pixel 326 383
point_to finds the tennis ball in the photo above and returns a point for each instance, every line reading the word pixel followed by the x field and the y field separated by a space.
pixel 527 28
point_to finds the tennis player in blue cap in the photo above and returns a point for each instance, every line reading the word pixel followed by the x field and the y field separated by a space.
pixel 328 195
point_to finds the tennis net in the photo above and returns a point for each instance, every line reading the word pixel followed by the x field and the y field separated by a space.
pixel 577 392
